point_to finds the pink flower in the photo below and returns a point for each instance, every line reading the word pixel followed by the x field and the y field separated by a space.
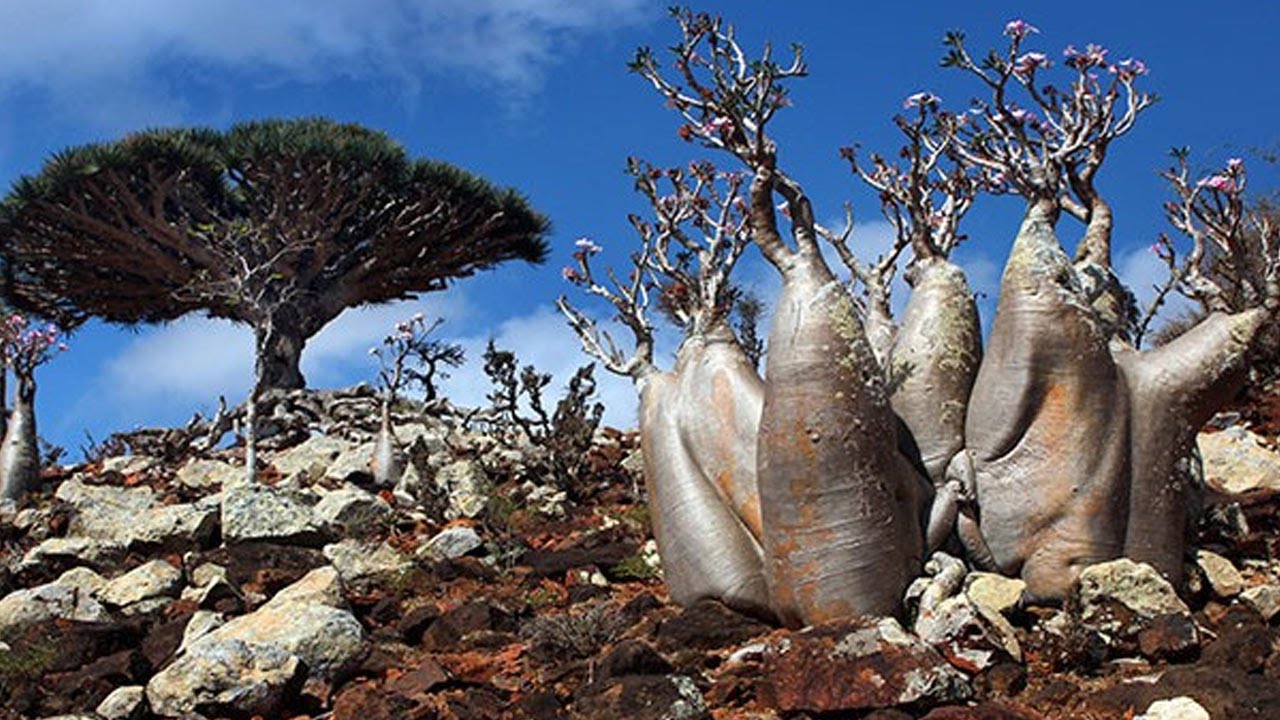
pixel 1220 183
pixel 920 99
pixel 1019 28
pixel 570 274
pixel 784 209
pixel 1235 164
pixel 1028 63
pixel 585 244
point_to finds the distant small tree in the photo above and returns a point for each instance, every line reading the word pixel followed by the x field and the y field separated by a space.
pixel 279 224
pixel 24 347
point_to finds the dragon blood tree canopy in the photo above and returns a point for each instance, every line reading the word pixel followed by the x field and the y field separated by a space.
pixel 280 224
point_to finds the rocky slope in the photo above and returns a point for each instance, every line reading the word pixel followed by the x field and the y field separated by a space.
pixel 481 586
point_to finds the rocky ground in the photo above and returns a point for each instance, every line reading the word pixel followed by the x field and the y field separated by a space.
pixel 480 588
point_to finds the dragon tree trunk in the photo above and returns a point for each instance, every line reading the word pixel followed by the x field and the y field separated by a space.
pixel 1173 391
pixel 20 451
pixel 1047 428
pixel 840 502
pixel 698 425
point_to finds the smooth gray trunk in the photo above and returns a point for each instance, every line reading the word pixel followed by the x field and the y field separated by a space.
pixel 388 460
pixel 20 451
pixel 1047 427
pixel 840 504
pixel 707 549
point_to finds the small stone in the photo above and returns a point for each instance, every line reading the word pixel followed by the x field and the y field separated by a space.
pixel 1223 577
pixel 208 573
pixel 1237 461
pixel 124 703
pixel 1179 708
pixel 1264 599
pixel 453 542
pixel 1169 637
pixel 202 623
pixel 351 464
pixel 145 582
pixel 67 598
pixel 997 593
pixel 63 551
pixel 204 474
pixel 311 458
pixel 970 636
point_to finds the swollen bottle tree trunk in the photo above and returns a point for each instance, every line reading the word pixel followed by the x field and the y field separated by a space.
pixel 840 504
pixel 20 451
pixel 1048 422
pixel 388 462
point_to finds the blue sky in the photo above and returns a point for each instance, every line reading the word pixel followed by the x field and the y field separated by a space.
pixel 534 94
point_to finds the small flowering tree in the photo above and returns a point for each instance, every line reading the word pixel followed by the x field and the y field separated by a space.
pixel 25 347
pixel 698 420
pixel 407 357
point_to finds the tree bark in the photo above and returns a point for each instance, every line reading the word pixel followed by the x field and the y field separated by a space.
pixel 1174 390
pixel 20 451
pixel 279 356
pixel 840 503
pixel 1047 427
pixel 707 550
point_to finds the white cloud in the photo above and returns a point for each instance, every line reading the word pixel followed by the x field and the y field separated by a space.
pixel 98 57
pixel 1142 271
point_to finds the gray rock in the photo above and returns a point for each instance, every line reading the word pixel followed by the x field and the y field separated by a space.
pixel 259 512
pixel 70 597
pixel 544 499
pixel 202 623
pixel 1264 599
pixel 202 473
pixel 355 561
pixel 311 458
pixel 227 673
pixel 352 462
pixel 124 703
pixel 149 581
pixel 970 636
pixel 467 486
pixel 1179 708
pixel 1120 597
pixel 307 619
pixel 1237 461
pixel 99 509
pixel 90 552
pixel 130 464
pixel 452 543
pixel 997 593
pixel 352 511
pixel 131 518
pixel 1223 577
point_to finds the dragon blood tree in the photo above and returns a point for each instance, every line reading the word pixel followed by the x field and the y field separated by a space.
pixel 278 224
pixel 1073 437
pixel 699 420
pixel 25 347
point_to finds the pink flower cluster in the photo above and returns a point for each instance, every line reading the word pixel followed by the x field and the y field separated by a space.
pixel 1229 181
pixel 1028 63
pixel 1128 69
pixel 25 347
pixel 1093 56
pixel 1019 28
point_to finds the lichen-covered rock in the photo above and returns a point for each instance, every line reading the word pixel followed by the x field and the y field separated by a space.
pixel 861 666
pixel 202 623
pixel 70 597
pixel 148 581
pixel 353 462
pixel 971 637
pixel 450 543
pixel 644 697
pixel 71 551
pixel 1120 597
pixel 467 486
pixel 352 511
pixel 311 458
pixel 1264 599
pixel 1237 461
pixel 224 677
pixel 130 464
pixel 203 474
pixel 259 512
pixel 307 619
pixel 124 703
pixel 131 518
pixel 1223 577
pixel 356 561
